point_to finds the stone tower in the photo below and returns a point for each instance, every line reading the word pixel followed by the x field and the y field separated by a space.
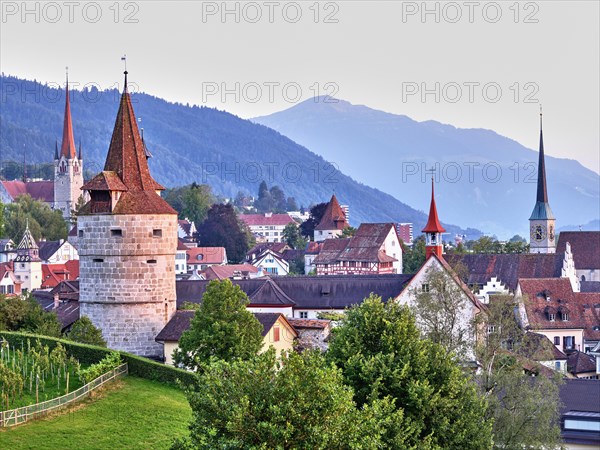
pixel 27 264
pixel 433 230
pixel 332 223
pixel 68 167
pixel 542 222
pixel 127 243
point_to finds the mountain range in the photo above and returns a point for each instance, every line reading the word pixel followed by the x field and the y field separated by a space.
pixel 483 179
pixel 192 143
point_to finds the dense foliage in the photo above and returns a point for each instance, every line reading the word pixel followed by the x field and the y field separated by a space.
pixel 106 364
pixel 43 221
pixel 17 314
pixel 413 257
pixel 191 202
pixel 307 228
pixel 222 228
pixel 222 328
pixel 382 355
pixel 84 331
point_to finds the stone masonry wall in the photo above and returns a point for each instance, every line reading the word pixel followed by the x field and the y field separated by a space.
pixel 127 277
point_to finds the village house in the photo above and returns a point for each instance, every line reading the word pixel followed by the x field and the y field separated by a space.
pixel 186 230
pixel 276 331
pixel 374 249
pixel 232 272
pixel 200 258
pixel 267 227
pixel 271 262
pixel 332 223
pixel 313 334
pixel 585 246
pixel 8 250
pixel 9 283
pixel 580 414
pixel 52 252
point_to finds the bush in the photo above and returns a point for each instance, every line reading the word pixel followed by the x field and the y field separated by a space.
pixel 90 354
pixel 108 363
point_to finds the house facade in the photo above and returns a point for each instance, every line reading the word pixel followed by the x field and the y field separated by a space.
pixel 267 227
pixel 200 258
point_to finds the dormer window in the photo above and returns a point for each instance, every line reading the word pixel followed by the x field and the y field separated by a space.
pixel 565 316
pixel 551 317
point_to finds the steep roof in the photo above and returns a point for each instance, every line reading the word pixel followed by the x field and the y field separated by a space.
pixel 38 190
pixel 27 241
pixel 266 219
pixel 258 249
pixel 267 320
pixel 49 248
pixel 579 362
pixel 366 243
pixel 433 223
pixel 330 250
pixel 126 158
pixel 555 295
pixel 585 246
pixel 541 210
pixel 333 217
pixel 580 395
pixel 538 347
pixel 67 148
pixel 508 268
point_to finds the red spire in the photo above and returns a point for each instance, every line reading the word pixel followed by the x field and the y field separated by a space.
pixel 68 142
pixel 126 155
pixel 433 223
pixel 333 217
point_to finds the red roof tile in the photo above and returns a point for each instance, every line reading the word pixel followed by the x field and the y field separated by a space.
pixel 205 255
pixel 261 219
pixel 333 217
pixel 585 246
pixel 67 148
pixel 38 190
pixel 579 362
pixel 229 271
pixel 318 324
pixel 105 181
pixel 554 295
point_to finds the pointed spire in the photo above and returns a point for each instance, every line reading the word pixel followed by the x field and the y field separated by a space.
pixel 56 150
pixel 333 217
pixel 433 223
pixel 28 242
pixel 80 157
pixel 542 193
pixel 126 156
pixel 68 142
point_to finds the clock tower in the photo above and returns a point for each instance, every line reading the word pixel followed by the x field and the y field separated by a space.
pixel 541 223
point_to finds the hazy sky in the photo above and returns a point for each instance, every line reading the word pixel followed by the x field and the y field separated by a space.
pixel 481 64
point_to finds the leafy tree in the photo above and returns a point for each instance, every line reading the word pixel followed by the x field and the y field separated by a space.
pixel 43 221
pixel 486 244
pixel 440 314
pixel 264 203
pixel 297 266
pixel 191 202
pixel 381 354
pixel 18 314
pixel 413 257
pixel 296 402
pixel 307 227
pixel 291 204
pixel 292 236
pixel 223 229
pixel 348 232
pixel 84 331
pixel 222 328
pixel 524 409
pixel 278 198
pixel 78 205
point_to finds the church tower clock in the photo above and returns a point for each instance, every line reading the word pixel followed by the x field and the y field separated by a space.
pixel 542 223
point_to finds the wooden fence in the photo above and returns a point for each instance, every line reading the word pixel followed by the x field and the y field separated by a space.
pixel 23 414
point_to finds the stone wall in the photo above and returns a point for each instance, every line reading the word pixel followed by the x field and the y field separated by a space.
pixel 127 277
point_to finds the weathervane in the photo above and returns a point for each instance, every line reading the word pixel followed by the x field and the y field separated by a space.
pixel 67 71
pixel 124 59
pixel 432 171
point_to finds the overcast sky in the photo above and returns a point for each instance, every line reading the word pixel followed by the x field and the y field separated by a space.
pixel 488 64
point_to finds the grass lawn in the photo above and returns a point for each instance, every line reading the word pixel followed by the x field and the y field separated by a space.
pixel 131 413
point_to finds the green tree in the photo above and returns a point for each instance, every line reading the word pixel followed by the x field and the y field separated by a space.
pixel 264 202
pixel 84 331
pixel 278 199
pixel 413 257
pixel 307 228
pixel 223 229
pixel 382 355
pixel 291 204
pixel 524 409
pixel 25 314
pixel 191 202
pixel 293 238
pixel 440 314
pixel 78 205
pixel 295 402
pixel 222 328
pixel 43 221
pixel 348 232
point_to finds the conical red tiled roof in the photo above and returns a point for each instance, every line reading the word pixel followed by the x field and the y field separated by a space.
pixel 333 217
pixel 126 156
pixel 68 142
pixel 433 223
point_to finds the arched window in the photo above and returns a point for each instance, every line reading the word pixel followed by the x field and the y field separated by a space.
pixel 582 277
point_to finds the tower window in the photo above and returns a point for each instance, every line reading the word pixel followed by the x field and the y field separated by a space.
pixel 116 233
pixel 80 232
pixel 151 261
pixel 98 260
pixel 157 233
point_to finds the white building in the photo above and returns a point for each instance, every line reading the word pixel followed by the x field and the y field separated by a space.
pixel 267 226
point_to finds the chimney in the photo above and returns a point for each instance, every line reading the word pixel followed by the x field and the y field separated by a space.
pixel 56 300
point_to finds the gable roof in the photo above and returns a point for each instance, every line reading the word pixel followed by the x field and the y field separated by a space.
pixel 49 248
pixel 508 268
pixel 330 250
pixel 333 217
pixel 554 295
pixel 53 274
pixel 106 181
pixel 268 219
pixel 38 190
pixel 579 362
pixel 585 246
pixel 255 252
pixel 306 292
pixel 229 271
pixel 366 243
pixel 538 347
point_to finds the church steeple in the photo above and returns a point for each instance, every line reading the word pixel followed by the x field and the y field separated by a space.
pixel 541 221
pixel 68 149
pixel 433 229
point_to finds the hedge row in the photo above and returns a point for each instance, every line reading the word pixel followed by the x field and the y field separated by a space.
pixel 90 354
